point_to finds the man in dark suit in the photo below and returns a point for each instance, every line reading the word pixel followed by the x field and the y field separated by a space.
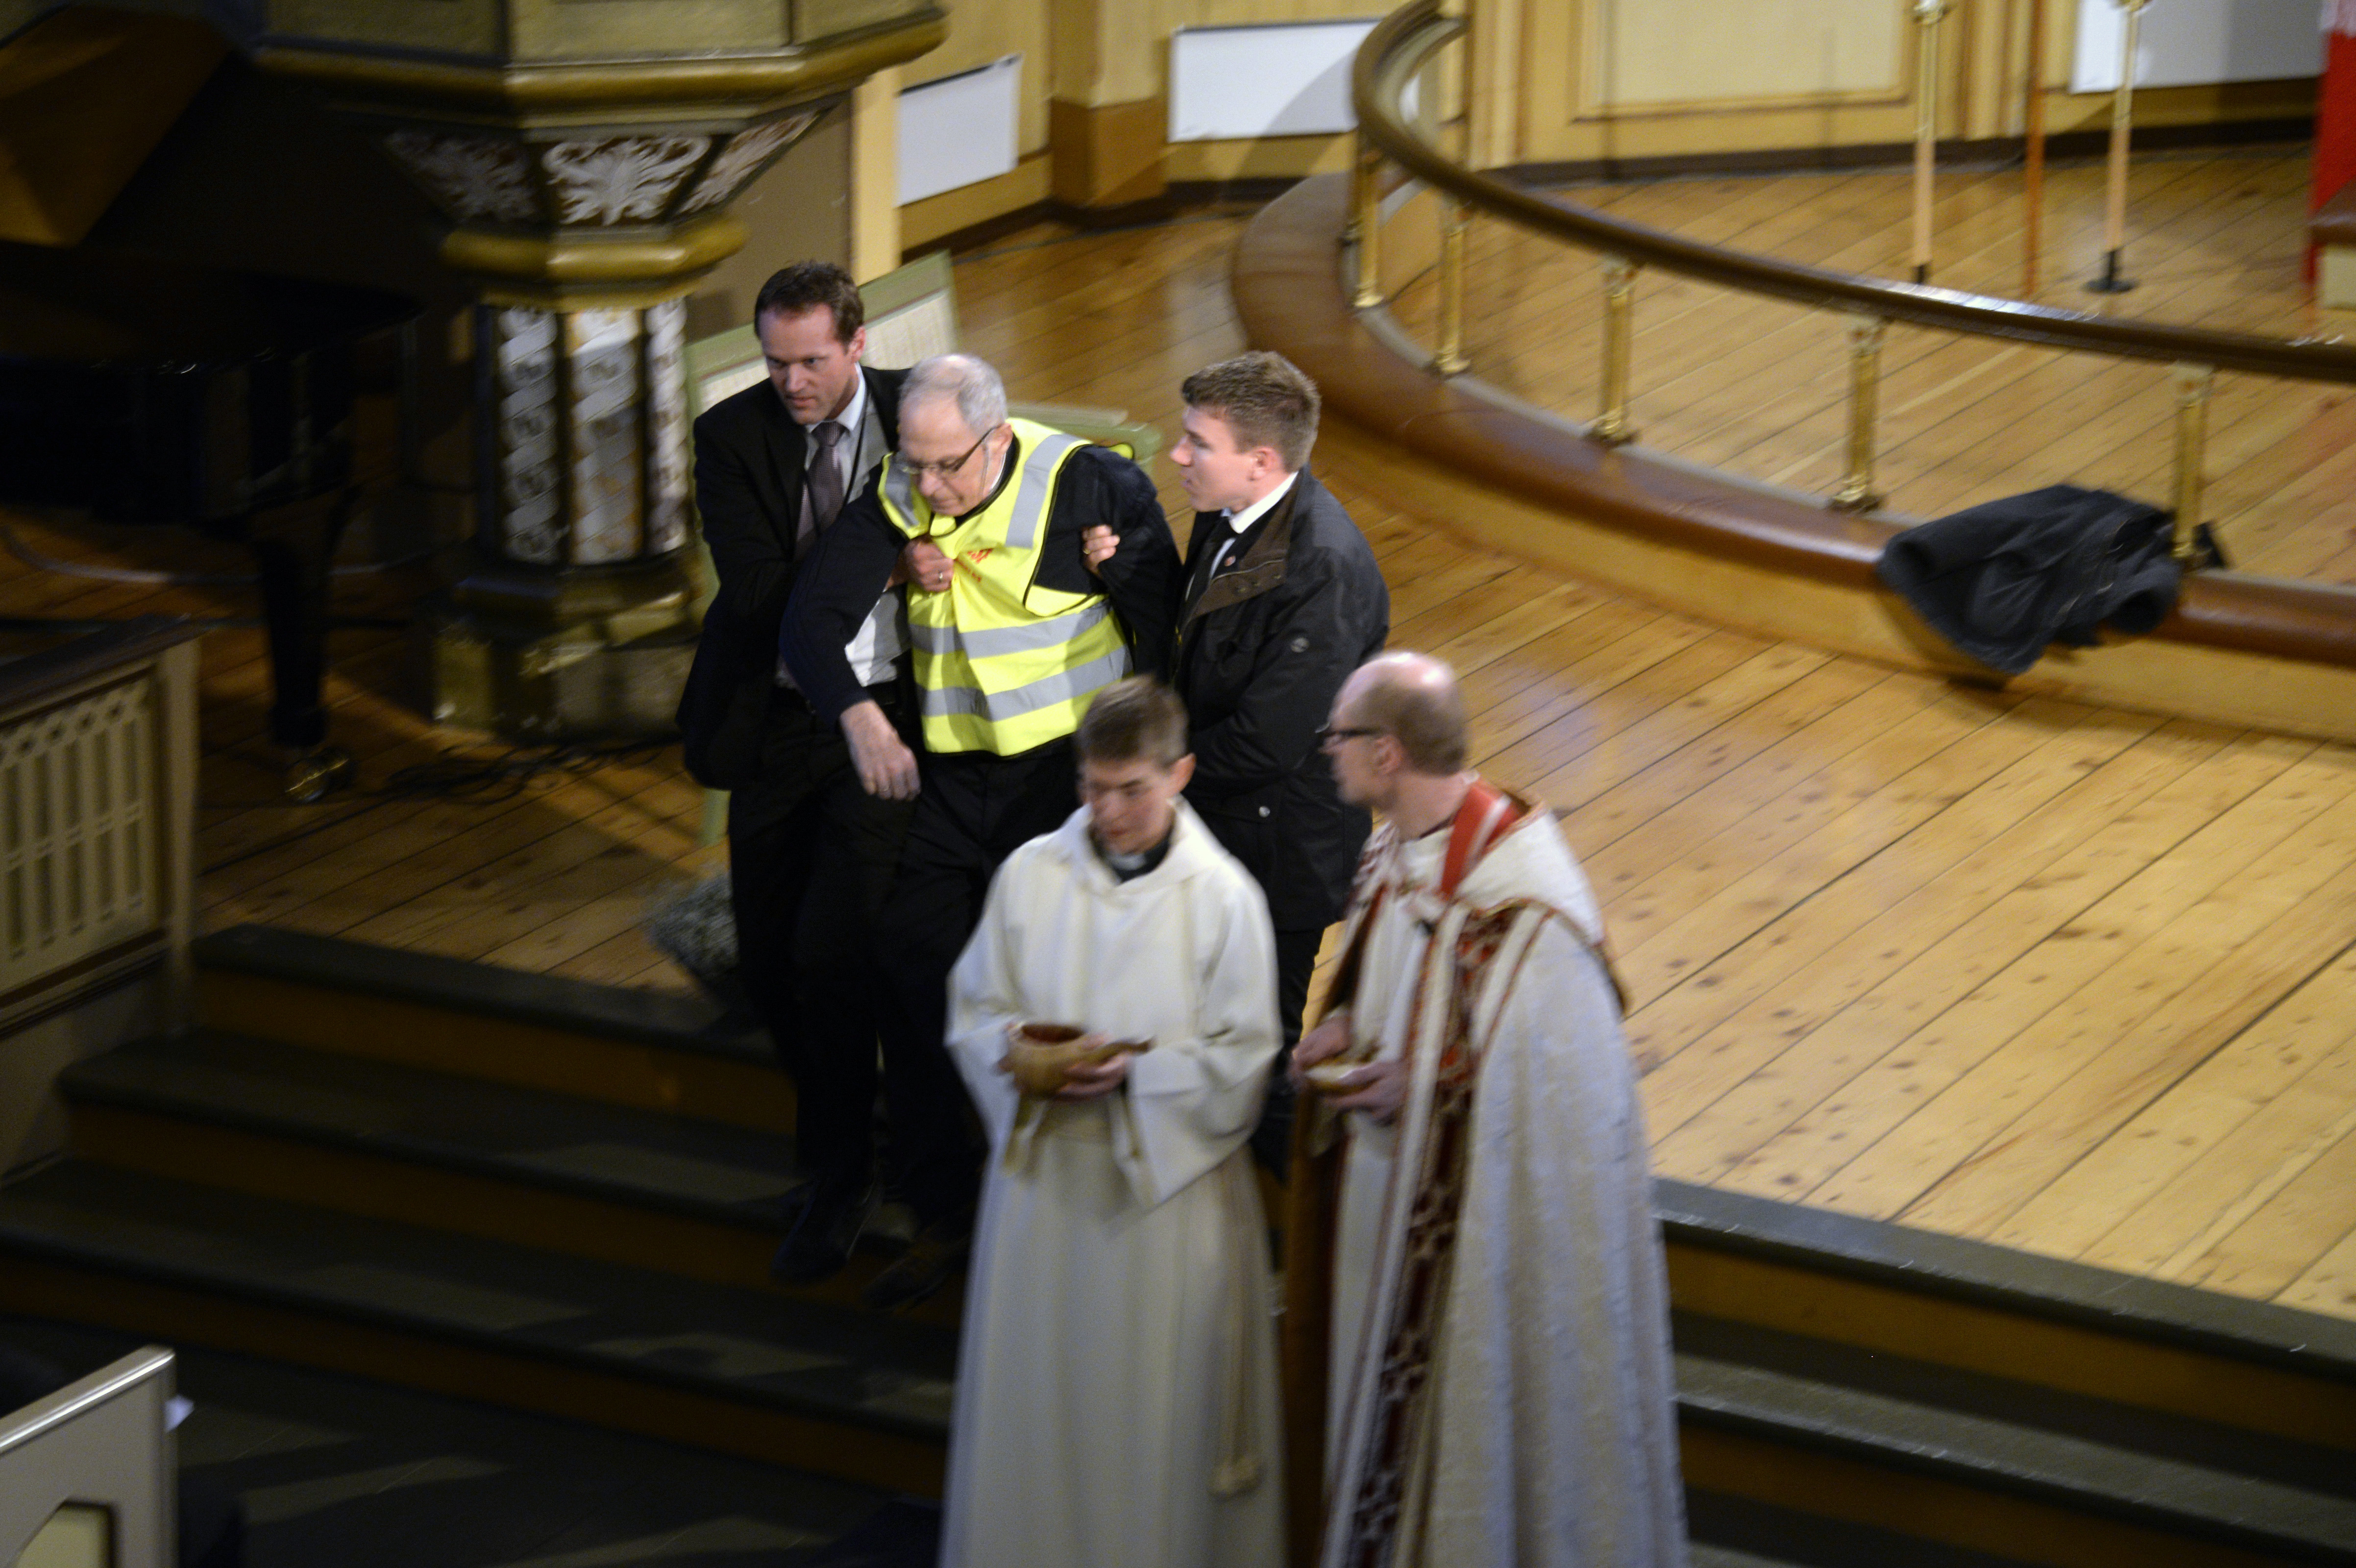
pixel 810 853
pixel 1282 601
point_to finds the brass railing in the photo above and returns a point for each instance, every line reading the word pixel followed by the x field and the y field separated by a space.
pixel 1405 45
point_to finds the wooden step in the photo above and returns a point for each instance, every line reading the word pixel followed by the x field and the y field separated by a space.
pixel 601 1181
pixel 1989 1464
pixel 794 1382
pixel 1960 1470
pixel 1730 1531
pixel 1846 1384
pixel 642 1049
pixel 2161 1348
pixel 1885 1287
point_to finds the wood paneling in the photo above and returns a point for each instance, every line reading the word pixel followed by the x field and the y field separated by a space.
pixel 1619 78
pixel 922 222
pixel 1109 153
pixel 1660 55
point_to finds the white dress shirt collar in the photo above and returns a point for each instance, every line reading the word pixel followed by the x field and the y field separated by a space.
pixel 1242 521
pixel 853 414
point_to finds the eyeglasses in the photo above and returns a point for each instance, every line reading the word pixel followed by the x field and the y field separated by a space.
pixel 917 472
pixel 1332 734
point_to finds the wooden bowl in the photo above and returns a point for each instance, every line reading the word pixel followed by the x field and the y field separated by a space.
pixel 1042 1056
pixel 1328 1076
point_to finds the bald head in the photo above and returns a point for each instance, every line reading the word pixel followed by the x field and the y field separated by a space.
pixel 1414 699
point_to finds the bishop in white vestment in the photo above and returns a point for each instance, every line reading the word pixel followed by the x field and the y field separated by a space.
pixel 1116 1393
pixel 1500 1391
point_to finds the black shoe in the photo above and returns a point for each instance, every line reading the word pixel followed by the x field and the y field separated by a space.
pixel 819 1241
pixel 932 1260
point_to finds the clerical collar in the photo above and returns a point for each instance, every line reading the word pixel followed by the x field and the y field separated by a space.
pixel 1130 868
pixel 1242 521
pixel 852 411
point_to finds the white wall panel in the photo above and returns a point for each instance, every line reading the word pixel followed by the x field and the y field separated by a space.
pixel 960 129
pixel 2181 43
pixel 1277 80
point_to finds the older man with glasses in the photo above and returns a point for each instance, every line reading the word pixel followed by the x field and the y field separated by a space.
pixel 1040 571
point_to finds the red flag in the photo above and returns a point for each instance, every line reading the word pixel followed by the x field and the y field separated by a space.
pixel 2335 116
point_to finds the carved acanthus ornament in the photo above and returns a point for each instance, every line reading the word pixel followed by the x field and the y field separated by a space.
pixel 743 157
pixel 470 178
pixel 620 179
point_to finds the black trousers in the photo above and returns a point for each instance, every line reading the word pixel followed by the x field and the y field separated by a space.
pixel 810 856
pixel 1296 962
pixel 973 812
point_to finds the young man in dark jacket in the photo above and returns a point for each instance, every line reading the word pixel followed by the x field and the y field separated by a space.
pixel 1282 600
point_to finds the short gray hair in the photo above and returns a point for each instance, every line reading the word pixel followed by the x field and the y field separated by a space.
pixel 979 395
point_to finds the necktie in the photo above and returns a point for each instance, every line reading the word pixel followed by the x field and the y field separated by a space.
pixel 1222 558
pixel 824 481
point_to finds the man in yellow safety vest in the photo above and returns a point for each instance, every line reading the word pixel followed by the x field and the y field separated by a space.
pixel 1040 570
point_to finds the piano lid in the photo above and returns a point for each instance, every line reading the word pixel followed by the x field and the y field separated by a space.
pixel 149 391
pixel 95 308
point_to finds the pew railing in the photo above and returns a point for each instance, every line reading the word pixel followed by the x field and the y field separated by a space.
pixel 1410 45
pixel 86 1475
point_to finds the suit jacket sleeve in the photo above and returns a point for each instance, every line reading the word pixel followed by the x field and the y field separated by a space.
pixel 1144 576
pixel 749 554
pixel 845 573
pixel 1313 638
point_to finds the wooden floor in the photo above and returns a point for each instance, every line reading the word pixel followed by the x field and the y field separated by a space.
pixel 2073 980
pixel 1759 388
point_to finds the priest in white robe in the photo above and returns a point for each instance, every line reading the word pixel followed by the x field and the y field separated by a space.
pixel 1116 1404
pixel 1498 1384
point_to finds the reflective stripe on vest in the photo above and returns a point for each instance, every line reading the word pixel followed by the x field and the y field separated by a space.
pixel 1004 665
pixel 1064 686
pixel 991 641
pixel 1032 487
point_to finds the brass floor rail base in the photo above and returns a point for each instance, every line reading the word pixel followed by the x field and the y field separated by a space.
pixel 2238 649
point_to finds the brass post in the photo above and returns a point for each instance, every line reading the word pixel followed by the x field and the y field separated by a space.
pixel 1369 291
pixel 1455 218
pixel 1611 427
pixel 1927 14
pixel 1357 189
pixel 2193 387
pixel 1865 335
pixel 2115 198
pixel 2032 172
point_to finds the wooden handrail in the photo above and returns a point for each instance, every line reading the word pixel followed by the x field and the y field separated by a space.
pixel 1404 41
pixel 34 679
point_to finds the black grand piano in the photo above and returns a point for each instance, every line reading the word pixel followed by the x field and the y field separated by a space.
pixel 146 391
